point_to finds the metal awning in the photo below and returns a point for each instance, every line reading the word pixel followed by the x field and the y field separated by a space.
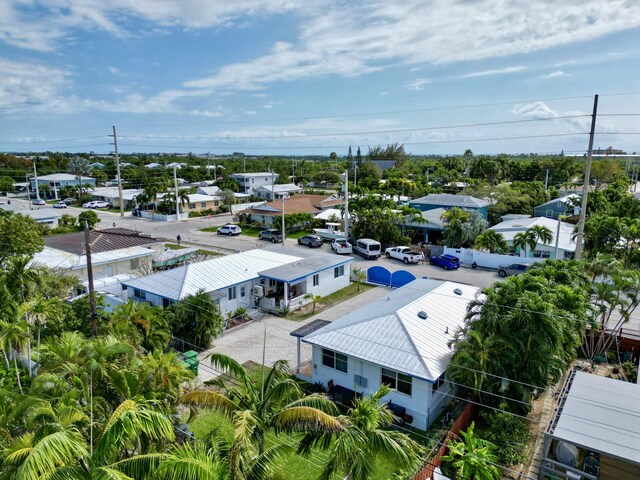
pixel 600 414
pixel 302 268
pixel 309 328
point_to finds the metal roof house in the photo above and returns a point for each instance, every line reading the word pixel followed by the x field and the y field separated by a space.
pixel 268 192
pixel 597 421
pixel 448 201
pixel 56 181
pixel 401 340
pixel 566 244
pixel 249 182
pixel 259 278
pixel 431 225
pixel 558 206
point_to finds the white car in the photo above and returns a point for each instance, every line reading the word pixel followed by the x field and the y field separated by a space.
pixel 229 230
pixel 341 246
pixel 60 205
pixel 96 204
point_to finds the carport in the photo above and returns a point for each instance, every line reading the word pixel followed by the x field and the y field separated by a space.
pixel 600 417
pixel 303 332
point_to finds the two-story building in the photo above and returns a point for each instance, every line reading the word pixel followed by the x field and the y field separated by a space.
pixel 271 280
pixel 270 213
pixel 56 181
pixel 277 191
pixel 563 206
pixel 249 182
pixel 400 340
pixel 448 201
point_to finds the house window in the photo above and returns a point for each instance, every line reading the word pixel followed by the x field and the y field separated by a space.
pixel 139 294
pixel 335 360
pixel 397 380
pixel 134 263
pixel 216 203
pixel 316 280
pixel 338 271
pixel 232 293
pixel 541 254
pixel 203 204
pixel 243 291
pixel 438 383
pixel 192 206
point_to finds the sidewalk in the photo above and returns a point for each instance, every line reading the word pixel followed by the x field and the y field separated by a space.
pixel 246 342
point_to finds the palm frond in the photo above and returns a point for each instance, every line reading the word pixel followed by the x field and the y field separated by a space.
pixel 264 465
pixel 316 400
pixel 140 466
pixel 210 399
pixel 55 450
pixel 229 366
pixel 191 462
pixel 296 419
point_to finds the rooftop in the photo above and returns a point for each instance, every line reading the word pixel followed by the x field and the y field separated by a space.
pixel 58 177
pixel 291 272
pixel 600 414
pixel 450 200
pixel 101 240
pixel 287 187
pixel 302 203
pixel 54 258
pixel 389 332
pixel 567 199
pixel 509 229
pixel 254 174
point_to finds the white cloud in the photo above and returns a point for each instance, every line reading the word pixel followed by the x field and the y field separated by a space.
pixel 206 113
pixel 418 84
pixel 382 94
pixel 496 71
pixel 115 71
pixel 269 105
pixel 557 74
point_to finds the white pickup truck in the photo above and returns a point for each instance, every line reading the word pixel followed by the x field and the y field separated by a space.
pixel 341 246
pixel 405 254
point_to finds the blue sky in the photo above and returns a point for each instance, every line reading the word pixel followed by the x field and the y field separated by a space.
pixel 299 77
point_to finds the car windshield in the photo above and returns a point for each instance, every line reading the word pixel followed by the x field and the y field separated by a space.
pixel 374 248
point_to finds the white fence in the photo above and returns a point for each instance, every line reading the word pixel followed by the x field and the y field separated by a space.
pixel 468 256
pixel 158 217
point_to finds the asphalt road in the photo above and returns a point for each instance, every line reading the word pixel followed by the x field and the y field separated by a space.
pixel 191 234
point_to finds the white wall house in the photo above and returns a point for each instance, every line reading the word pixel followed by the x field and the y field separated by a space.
pixel 277 191
pixel 566 244
pixel 249 182
pixel 400 340
pixel 271 280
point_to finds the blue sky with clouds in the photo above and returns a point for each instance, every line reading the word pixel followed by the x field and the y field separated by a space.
pixel 299 77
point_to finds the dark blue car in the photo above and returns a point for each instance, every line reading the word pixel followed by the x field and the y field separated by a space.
pixel 448 262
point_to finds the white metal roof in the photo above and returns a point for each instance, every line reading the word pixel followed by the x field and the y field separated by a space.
pixel 509 229
pixel 601 414
pixel 307 266
pixel 326 214
pixel 287 187
pixel 253 174
pixel 39 215
pixel 450 200
pixel 567 200
pixel 208 190
pixel 57 177
pixel 54 258
pixel 389 333
pixel 112 192
pixel 211 275
pixel 198 197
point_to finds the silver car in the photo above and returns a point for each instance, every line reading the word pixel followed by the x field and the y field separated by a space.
pixel 512 269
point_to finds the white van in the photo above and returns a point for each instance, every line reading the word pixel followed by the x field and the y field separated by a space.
pixel 368 248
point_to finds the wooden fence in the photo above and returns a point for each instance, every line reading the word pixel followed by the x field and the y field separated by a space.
pixel 433 460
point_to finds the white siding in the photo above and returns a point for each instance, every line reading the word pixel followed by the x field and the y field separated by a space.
pixel 227 305
pixel 327 283
pixel 421 405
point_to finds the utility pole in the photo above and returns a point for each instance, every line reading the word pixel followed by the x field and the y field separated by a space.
pixel 546 181
pixel 92 293
pixel 293 171
pixel 560 217
pixel 346 205
pixel 175 184
pixel 283 234
pixel 355 174
pixel 35 177
pixel 273 195
pixel 585 187
pixel 28 190
pixel 115 144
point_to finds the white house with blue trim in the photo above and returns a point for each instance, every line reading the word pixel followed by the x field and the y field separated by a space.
pixel 272 280
pixel 401 340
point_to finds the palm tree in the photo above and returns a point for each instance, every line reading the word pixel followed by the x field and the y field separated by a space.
pixel 39 310
pixel 360 275
pixel 277 404
pixel 364 435
pixel 473 457
pixel 492 241
pixel 542 233
pixel 525 239
pixel 13 339
pixel 21 279
pixel 79 167
pixel 314 299
pixel 142 324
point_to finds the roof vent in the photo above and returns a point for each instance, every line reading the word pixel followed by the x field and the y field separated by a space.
pixel 457 291
pixel 422 314
pixel 446 331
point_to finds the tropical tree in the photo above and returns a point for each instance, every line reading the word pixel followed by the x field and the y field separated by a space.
pixel 315 299
pixel 472 457
pixel 524 240
pixel 542 234
pixel 21 278
pixel 79 167
pixel 141 324
pixel 21 235
pixel 360 275
pixel 90 218
pixel 196 319
pixel 492 241
pixel 13 339
pixel 275 404
pixel 364 435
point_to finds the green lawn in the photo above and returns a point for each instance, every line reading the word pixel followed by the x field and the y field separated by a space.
pixel 209 253
pixel 329 301
pixel 173 246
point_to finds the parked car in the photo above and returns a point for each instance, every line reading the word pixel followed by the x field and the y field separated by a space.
pixel 69 200
pixel 271 234
pixel 96 204
pixel 39 202
pixel 311 241
pixel 512 269
pixel 341 246
pixel 448 262
pixel 405 254
pixel 229 230
pixel 368 248
pixel 60 205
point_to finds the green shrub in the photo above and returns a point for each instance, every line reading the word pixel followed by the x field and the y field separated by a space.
pixel 509 433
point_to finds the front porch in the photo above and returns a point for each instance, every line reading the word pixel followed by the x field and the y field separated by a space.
pixel 280 295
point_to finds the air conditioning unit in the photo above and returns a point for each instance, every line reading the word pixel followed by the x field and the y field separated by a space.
pixel 258 291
